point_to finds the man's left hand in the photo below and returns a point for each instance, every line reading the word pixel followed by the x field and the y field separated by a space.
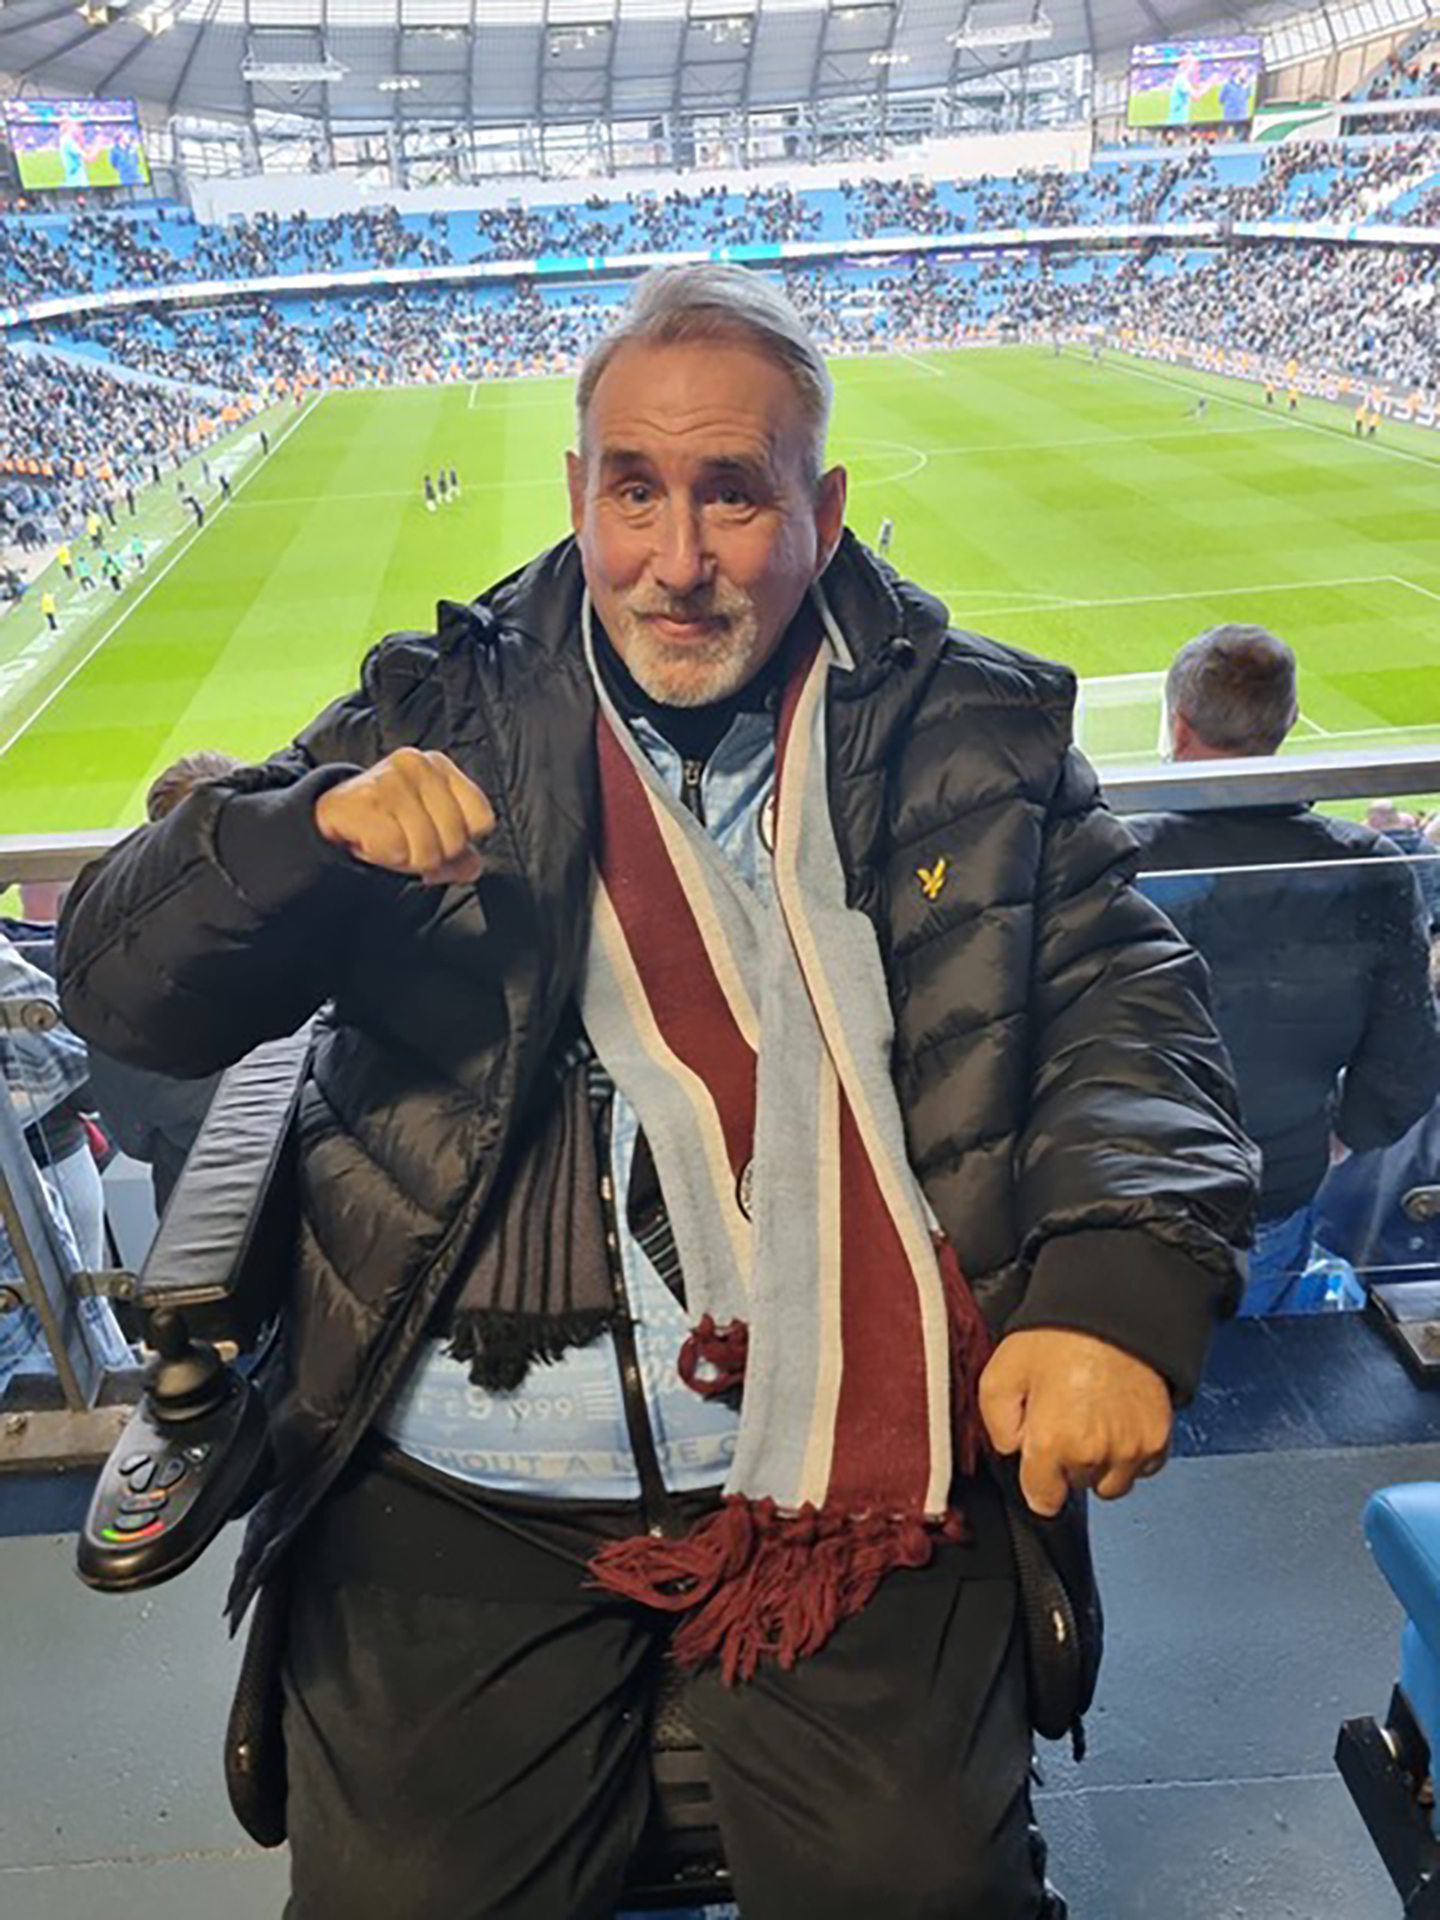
pixel 1078 1411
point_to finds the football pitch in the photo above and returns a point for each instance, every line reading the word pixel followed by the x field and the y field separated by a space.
pixel 1077 510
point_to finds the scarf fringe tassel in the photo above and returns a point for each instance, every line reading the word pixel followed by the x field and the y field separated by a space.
pixel 722 1351
pixel 757 1584
pixel 502 1347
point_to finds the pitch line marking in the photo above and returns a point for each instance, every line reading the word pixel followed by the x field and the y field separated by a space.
pixel 1154 678
pixel 1380 736
pixel 1088 440
pixel 1107 439
pixel 474 404
pixel 1289 420
pixel 211 516
pixel 1153 683
pixel 923 455
pixel 1414 586
pixel 921 461
pixel 935 373
pixel 1382 733
pixel 1200 594
pixel 398 493
pixel 970 594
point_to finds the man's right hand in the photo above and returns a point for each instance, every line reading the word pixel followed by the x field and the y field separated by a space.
pixel 413 812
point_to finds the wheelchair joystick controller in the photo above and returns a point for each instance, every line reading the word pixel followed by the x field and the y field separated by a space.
pixel 188 1378
pixel 192 1456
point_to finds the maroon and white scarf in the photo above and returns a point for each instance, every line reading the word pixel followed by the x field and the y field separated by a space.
pixel 754 1043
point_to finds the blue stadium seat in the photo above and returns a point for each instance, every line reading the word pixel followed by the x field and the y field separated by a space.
pixel 1389 1768
pixel 1402 1526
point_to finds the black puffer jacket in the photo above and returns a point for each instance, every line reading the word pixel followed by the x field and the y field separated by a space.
pixel 1321 977
pixel 1069 1105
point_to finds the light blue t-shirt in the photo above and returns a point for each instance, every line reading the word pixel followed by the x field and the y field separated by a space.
pixel 563 1432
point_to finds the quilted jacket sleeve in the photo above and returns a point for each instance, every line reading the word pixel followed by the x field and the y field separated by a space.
pixel 224 924
pixel 1136 1183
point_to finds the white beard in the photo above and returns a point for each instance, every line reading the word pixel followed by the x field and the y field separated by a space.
pixel 697 674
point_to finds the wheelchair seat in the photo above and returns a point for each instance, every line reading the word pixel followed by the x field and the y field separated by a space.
pixel 681 1862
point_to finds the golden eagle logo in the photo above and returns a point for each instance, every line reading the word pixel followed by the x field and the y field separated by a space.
pixel 932 879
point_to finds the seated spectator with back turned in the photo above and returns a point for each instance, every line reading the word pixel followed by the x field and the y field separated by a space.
pixel 1320 978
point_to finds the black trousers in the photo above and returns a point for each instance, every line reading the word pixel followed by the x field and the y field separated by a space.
pixel 467 1730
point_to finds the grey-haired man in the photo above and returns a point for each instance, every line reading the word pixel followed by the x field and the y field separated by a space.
pixel 740 1020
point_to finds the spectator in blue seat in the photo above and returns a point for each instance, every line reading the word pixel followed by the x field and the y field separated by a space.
pixel 1319 959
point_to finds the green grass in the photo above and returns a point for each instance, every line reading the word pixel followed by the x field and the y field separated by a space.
pixel 1072 509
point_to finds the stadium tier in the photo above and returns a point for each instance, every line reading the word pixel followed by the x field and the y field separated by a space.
pixel 1365 180
pixel 1352 312
pixel 1364 314
pixel 1410 71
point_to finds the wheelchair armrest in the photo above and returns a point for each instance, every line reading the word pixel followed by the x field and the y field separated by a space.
pixel 195 1452
pixel 223 1248
pixel 1402 1526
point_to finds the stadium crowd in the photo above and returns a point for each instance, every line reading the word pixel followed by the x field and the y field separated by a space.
pixel 166 245
pixel 1410 73
pixel 1137 195
pixel 1364 313
pixel 1308 180
pixel 417 336
pixel 77 443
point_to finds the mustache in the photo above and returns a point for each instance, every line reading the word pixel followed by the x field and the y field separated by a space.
pixel 707 611
pixel 718 604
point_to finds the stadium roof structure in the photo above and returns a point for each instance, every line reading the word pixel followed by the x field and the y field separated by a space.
pixel 500 62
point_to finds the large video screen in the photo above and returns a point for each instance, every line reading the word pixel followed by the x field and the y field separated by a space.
pixel 1195 83
pixel 77 143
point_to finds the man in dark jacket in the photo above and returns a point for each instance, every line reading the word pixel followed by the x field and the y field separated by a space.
pixel 1316 939
pixel 754 1108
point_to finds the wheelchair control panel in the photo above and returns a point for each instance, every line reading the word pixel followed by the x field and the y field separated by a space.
pixel 192 1456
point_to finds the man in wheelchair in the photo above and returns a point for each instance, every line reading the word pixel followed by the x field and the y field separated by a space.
pixel 749 1106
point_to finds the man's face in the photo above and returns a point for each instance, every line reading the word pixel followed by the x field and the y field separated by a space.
pixel 698 529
